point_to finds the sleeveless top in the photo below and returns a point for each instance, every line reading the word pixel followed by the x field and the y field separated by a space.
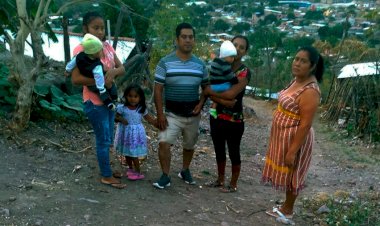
pixel 286 121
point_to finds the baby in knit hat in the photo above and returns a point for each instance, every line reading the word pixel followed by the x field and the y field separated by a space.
pixel 89 65
pixel 221 74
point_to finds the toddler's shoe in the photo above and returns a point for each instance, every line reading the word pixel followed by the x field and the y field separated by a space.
pixel 129 172
pixel 136 176
pixel 213 113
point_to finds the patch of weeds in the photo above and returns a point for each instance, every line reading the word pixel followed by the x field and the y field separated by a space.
pixel 352 149
pixel 345 209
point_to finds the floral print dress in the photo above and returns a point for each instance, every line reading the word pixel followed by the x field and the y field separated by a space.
pixel 130 140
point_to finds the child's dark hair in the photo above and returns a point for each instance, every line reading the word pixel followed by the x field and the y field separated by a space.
pixel 183 26
pixel 315 59
pixel 135 87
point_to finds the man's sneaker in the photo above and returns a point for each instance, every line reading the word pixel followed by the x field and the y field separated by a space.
pixel 163 182
pixel 186 176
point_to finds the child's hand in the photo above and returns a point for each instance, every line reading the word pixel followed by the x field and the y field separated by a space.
pixel 124 121
pixel 66 73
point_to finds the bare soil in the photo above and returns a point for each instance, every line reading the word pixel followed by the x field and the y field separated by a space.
pixel 49 176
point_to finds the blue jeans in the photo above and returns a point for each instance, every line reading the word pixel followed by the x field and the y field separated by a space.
pixel 102 121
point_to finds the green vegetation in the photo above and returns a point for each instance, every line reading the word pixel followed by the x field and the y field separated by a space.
pixel 346 209
pixel 7 90
pixel 48 101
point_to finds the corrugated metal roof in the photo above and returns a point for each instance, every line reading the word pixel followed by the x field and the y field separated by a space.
pixel 360 69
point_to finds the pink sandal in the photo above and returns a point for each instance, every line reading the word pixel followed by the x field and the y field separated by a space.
pixel 129 172
pixel 136 176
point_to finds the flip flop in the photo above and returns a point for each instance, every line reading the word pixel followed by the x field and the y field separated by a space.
pixel 228 189
pixel 117 174
pixel 117 185
pixel 276 213
pixel 214 184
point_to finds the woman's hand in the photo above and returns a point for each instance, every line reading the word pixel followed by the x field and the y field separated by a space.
pixel 290 159
pixel 207 91
pixel 78 79
pixel 110 76
pixel 230 103
pixel 224 102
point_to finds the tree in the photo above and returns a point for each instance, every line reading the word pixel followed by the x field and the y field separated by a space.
pixel 373 33
pixel 31 18
pixel 241 27
pixel 162 31
pixel 270 18
pixel 199 17
pixel 273 3
pixel 221 26
pixel 334 34
pixel 267 41
pixel 291 15
pixel 135 24
pixel 291 45
pixel 314 15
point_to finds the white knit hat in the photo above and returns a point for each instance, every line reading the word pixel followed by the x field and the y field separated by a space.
pixel 91 44
pixel 227 49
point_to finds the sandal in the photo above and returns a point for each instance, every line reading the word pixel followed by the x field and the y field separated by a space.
pixel 117 174
pixel 117 184
pixel 276 213
pixel 228 189
pixel 214 184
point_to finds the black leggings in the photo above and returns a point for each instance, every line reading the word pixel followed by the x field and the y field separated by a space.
pixel 223 131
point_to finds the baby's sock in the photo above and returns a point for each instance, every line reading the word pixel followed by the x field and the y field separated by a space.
pixel 213 113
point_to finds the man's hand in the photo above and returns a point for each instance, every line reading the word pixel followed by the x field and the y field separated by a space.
pixel 197 109
pixel 162 122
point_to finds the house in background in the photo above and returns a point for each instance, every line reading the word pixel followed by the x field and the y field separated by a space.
pixel 360 69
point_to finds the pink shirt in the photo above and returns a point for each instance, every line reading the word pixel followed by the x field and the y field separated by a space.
pixel 108 61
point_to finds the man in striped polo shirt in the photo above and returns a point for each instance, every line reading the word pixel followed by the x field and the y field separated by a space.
pixel 178 76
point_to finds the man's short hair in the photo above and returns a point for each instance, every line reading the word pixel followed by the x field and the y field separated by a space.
pixel 183 26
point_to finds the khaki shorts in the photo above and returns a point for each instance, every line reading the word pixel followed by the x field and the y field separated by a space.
pixel 187 126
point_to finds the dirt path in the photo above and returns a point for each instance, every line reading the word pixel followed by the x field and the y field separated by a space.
pixel 39 186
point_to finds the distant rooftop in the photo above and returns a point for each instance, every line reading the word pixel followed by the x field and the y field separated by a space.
pixel 196 3
pixel 360 69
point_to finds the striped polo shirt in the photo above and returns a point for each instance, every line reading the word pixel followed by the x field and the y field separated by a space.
pixel 181 80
